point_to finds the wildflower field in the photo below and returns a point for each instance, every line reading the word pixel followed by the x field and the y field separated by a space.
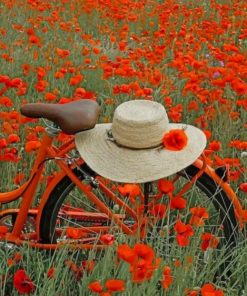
pixel 190 56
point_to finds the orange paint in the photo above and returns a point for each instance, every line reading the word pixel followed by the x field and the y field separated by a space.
pixel 27 193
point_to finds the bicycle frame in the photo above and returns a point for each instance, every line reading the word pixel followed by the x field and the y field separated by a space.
pixel 28 189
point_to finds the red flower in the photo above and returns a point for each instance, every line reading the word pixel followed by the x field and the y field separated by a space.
pixel 34 39
pixel 209 290
pixel 131 190
pixel 141 259
pixel 198 214
pixel 243 187
pixel 208 241
pixel 3 231
pixel 115 285
pixel 168 279
pixel 6 101
pixel 178 203
pixel 145 252
pixel 22 282
pixel 75 79
pixel 159 211
pixel 95 287
pixel 75 233
pixel 107 239
pixel 50 96
pixel 88 265
pixel 127 254
pixel 165 186
pixel 13 138
pixel 175 140
pixel 51 273
pixel 215 145
pixel 143 270
pixel 32 146
pixel 3 143
pixel 183 233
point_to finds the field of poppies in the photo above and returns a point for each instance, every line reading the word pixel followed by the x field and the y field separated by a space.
pixel 188 55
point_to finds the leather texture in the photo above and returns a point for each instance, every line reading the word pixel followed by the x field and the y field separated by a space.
pixel 72 117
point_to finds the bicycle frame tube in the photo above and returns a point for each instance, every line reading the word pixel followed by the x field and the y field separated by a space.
pixel 30 189
pixel 6 197
pixel 91 196
pixel 227 188
pixel 68 171
pixel 27 190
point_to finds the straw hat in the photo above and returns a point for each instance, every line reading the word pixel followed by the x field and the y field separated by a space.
pixel 130 149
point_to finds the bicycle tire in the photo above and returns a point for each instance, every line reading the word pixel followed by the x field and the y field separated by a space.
pixel 205 183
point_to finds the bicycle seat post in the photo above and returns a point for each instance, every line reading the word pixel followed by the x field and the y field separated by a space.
pixel 147 190
pixel 52 130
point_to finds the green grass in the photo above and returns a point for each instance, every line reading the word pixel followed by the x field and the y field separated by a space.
pixel 176 31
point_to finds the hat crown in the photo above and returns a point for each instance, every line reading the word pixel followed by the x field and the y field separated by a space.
pixel 139 124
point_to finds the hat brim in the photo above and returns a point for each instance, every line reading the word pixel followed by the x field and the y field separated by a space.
pixel 125 165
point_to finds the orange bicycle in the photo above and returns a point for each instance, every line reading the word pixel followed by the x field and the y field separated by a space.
pixel 81 209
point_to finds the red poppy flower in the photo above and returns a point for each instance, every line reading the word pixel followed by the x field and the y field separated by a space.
pixel 243 187
pixel 80 92
pixel 88 265
pixel 127 254
pixel 165 186
pixel 3 143
pixel 75 79
pixel 143 270
pixel 41 85
pixel 13 138
pixel 32 146
pixel 158 210
pixel 175 140
pixel 208 241
pixel 75 233
pixel 6 101
pixel 131 190
pixel 22 282
pixel 115 285
pixel 51 273
pixel 198 215
pixel 214 145
pixel 3 231
pixel 50 96
pixel 183 233
pixel 145 252
pixel 168 279
pixel 107 239
pixel 209 290
pixel 95 287
pixel 178 203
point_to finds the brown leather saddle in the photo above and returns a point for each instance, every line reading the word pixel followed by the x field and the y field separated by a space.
pixel 72 118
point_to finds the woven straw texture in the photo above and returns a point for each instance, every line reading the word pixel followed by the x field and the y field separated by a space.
pixel 138 125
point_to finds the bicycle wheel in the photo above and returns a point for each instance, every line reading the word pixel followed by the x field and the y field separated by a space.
pixel 69 216
pixel 209 230
pixel 220 222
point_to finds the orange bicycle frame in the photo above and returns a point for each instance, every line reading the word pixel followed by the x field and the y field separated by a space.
pixel 27 190
pixel 48 151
